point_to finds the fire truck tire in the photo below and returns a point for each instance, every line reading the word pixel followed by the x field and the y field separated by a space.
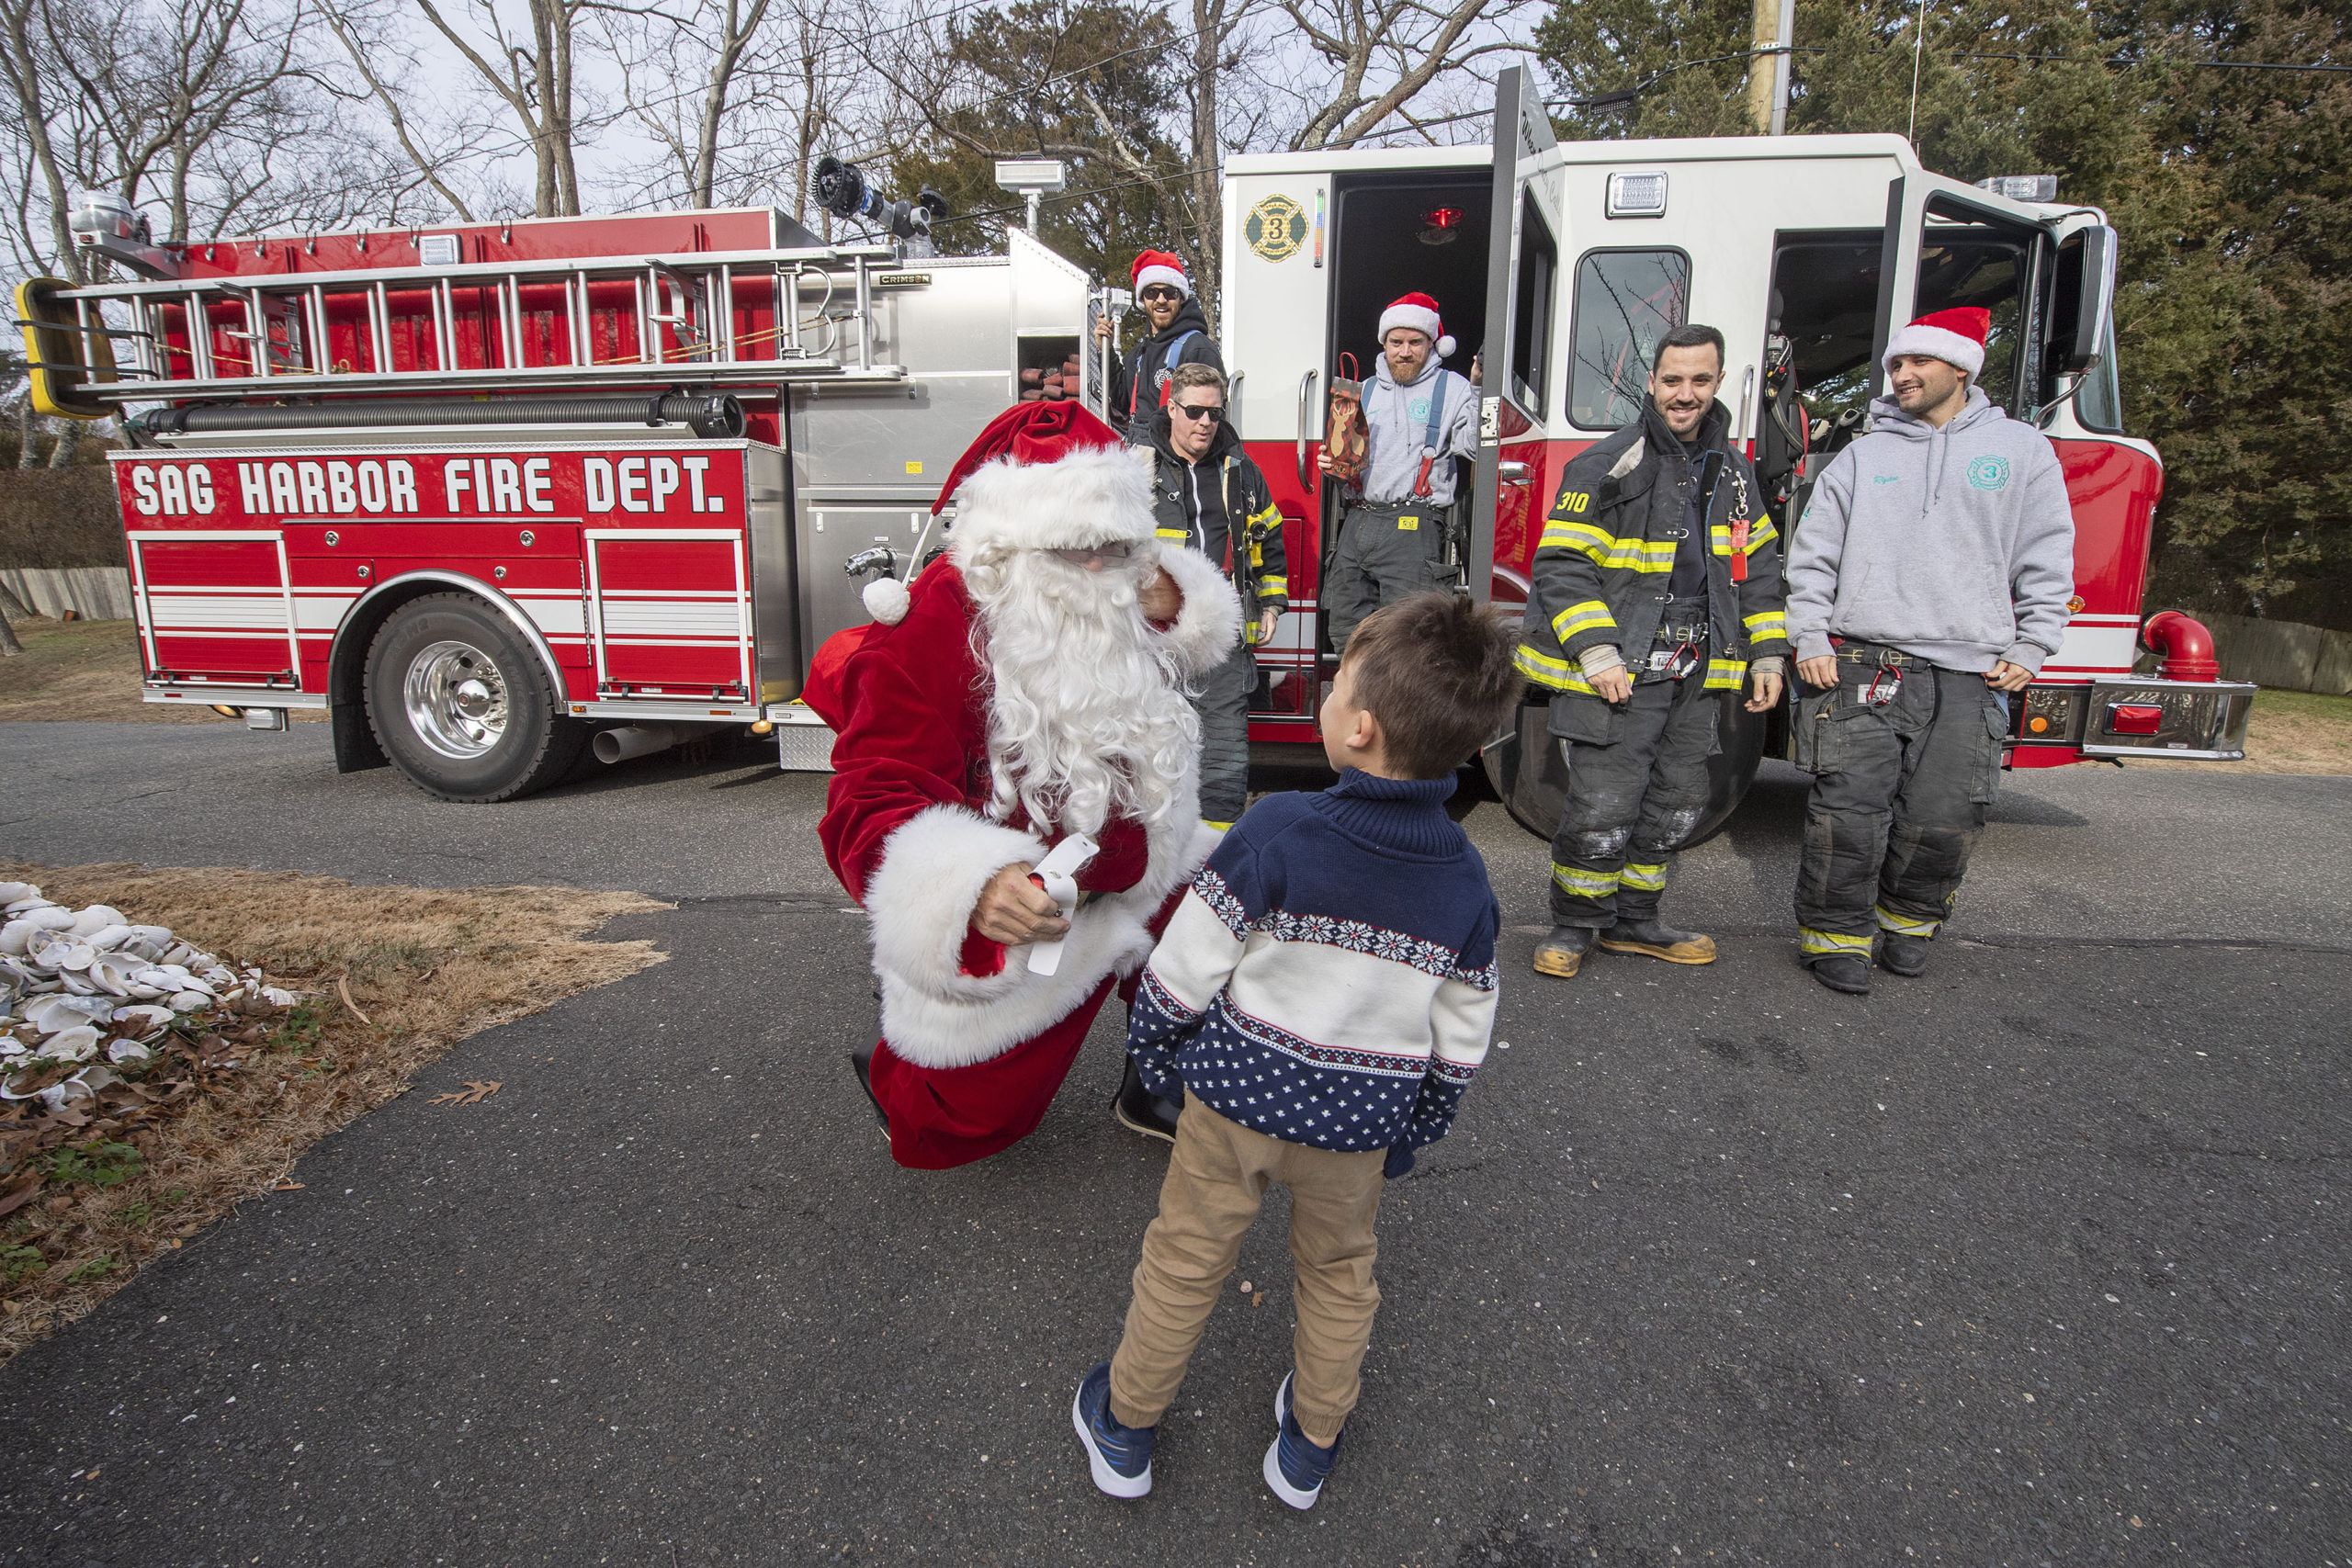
pixel 462 705
pixel 1528 772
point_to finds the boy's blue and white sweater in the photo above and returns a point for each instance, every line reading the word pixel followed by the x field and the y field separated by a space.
pixel 1329 976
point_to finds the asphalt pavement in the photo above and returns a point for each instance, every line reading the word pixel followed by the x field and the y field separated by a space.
pixel 2038 1259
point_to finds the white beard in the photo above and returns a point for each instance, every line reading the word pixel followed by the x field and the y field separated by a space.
pixel 1087 718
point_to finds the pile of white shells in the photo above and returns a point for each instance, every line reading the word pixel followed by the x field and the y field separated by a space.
pixel 87 986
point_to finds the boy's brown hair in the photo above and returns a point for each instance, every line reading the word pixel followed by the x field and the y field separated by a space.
pixel 1436 670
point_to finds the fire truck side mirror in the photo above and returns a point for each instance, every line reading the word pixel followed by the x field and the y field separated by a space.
pixel 2085 299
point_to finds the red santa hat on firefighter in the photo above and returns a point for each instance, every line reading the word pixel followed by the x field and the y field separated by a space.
pixel 1418 311
pixel 1159 266
pixel 1043 476
pixel 1955 336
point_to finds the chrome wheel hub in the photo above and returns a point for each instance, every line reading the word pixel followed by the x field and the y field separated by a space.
pixel 454 699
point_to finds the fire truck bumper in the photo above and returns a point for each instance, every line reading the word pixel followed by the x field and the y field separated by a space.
pixel 2137 716
pixel 804 743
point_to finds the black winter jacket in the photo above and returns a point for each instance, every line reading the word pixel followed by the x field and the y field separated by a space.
pixel 1224 508
pixel 1608 550
pixel 1141 378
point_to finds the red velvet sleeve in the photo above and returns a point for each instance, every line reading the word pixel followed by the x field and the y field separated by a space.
pixel 1124 856
pixel 907 744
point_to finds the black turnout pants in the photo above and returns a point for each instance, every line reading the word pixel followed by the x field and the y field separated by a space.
pixel 1901 789
pixel 1222 702
pixel 1638 786
pixel 1386 553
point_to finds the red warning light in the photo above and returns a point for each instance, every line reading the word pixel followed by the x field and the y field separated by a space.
pixel 1441 225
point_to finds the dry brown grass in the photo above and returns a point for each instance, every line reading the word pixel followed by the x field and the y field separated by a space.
pixel 2288 732
pixel 76 671
pixel 428 966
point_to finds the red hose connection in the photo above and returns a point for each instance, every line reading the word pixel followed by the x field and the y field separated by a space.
pixel 2182 647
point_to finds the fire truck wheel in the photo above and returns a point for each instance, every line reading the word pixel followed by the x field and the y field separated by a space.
pixel 462 705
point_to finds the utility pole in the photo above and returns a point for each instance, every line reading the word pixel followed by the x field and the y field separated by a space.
pixel 1767 67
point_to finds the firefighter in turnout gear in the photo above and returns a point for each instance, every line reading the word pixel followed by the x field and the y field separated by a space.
pixel 1207 494
pixel 1656 588
pixel 1928 581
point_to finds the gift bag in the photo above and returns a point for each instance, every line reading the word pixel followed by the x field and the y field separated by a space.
pixel 1346 439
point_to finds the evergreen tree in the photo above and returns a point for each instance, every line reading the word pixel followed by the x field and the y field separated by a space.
pixel 2231 190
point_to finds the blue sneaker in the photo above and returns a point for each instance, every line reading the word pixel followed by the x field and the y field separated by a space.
pixel 1119 1456
pixel 1295 1468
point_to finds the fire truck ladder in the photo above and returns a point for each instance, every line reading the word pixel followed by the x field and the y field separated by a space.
pixel 706 319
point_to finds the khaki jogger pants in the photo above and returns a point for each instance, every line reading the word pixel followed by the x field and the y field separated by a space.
pixel 1217 1180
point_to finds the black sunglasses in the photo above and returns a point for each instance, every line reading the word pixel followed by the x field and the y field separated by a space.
pixel 1214 413
pixel 1158 293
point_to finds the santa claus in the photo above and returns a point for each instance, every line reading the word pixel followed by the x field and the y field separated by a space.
pixel 1030 687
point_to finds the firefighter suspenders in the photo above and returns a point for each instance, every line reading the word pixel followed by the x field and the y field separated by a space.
pixel 1429 438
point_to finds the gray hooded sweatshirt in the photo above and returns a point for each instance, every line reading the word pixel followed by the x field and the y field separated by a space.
pixel 1397 420
pixel 1955 544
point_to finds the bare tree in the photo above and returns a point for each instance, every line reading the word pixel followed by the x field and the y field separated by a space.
pixel 1385 53
pixel 534 80
pixel 23 64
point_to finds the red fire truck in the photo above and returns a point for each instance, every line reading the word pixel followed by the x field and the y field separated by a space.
pixel 493 494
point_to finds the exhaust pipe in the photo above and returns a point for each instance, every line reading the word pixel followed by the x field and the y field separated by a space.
pixel 2184 646
pixel 636 740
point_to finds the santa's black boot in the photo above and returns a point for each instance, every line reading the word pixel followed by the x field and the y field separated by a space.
pixel 861 1063
pixel 1139 1110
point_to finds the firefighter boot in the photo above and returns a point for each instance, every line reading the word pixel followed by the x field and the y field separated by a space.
pixel 1903 955
pixel 1138 1110
pixel 1561 954
pixel 1846 972
pixel 1655 939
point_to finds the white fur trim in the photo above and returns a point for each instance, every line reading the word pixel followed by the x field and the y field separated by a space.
pixel 1421 320
pixel 1939 343
pixel 1445 348
pixel 1093 496
pixel 1167 275
pixel 920 897
pixel 1209 625
pixel 886 599
pixel 939 1017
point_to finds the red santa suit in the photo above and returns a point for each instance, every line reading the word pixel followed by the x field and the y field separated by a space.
pixel 922 811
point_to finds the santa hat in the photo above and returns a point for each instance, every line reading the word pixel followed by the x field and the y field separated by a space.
pixel 1159 266
pixel 1418 311
pixel 1045 476
pixel 1955 336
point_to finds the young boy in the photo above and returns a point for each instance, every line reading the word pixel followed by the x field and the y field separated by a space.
pixel 1323 995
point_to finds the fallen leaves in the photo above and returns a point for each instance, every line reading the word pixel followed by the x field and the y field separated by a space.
pixel 342 989
pixel 287 1187
pixel 475 1092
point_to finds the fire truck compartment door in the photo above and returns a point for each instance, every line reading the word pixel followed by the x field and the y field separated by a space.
pixel 215 605
pixel 1950 244
pixel 670 612
pixel 1524 246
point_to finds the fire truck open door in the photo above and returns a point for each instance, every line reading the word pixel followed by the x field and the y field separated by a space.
pixel 1523 299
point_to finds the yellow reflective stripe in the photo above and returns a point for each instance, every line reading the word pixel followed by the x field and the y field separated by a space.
pixel 1816 943
pixel 1581 538
pixel 1766 623
pixel 1903 925
pixel 1646 878
pixel 1274 585
pixel 1589 615
pixel 1220 827
pixel 1582 883
pixel 1726 674
pixel 1175 533
pixel 1273 514
pixel 1545 671
pixel 1640 555
pixel 1759 533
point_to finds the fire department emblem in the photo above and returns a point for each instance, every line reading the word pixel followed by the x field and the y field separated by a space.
pixel 1275 228
pixel 1988 472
